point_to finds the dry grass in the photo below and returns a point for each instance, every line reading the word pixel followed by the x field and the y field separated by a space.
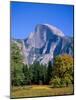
pixel 39 90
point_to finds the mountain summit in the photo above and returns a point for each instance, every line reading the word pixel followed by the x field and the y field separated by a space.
pixel 44 43
pixel 43 33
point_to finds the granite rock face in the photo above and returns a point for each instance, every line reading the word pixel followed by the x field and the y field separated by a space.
pixel 44 43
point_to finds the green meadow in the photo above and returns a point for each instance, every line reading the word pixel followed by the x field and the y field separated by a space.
pixel 40 90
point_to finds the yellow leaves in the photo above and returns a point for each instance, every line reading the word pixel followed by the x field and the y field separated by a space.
pixel 63 64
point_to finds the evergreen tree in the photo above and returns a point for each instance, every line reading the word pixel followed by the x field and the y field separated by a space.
pixel 43 73
pixel 17 75
pixel 26 75
pixel 49 72
pixel 39 73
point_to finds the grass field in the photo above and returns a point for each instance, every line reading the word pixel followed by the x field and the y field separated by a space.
pixel 39 90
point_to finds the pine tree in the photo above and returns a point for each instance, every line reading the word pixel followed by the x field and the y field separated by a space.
pixel 17 75
pixel 49 72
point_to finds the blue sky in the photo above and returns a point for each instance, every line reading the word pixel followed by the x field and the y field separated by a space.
pixel 25 16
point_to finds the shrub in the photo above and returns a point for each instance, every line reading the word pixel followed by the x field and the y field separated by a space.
pixel 55 82
pixel 68 79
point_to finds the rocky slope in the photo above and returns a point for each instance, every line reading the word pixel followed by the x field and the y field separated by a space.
pixel 44 43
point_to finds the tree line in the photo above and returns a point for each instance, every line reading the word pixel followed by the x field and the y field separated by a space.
pixel 58 74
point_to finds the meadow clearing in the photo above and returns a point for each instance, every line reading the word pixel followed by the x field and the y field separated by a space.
pixel 39 90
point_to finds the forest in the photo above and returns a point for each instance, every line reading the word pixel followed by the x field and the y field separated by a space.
pixel 60 73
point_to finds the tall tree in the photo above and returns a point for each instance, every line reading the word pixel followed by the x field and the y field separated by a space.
pixel 63 68
pixel 39 73
pixel 26 75
pixel 36 72
pixel 43 73
pixel 49 71
pixel 63 64
pixel 17 75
